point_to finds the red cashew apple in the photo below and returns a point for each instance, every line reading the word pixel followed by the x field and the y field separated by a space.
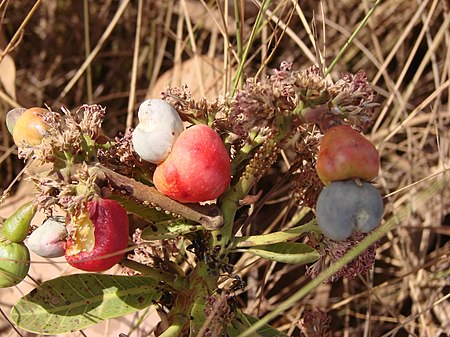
pixel 98 236
pixel 346 154
pixel 197 169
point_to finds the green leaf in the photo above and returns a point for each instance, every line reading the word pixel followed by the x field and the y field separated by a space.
pixel 74 302
pixel 275 237
pixel 145 212
pixel 286 252
pixel 198 316
pixel 169 229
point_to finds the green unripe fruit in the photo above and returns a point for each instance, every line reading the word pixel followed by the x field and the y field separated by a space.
pixel 17 226
pixel 14 263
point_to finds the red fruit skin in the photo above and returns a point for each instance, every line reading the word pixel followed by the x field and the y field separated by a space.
pixel 111 225
pixel 346 154
pixel 197 169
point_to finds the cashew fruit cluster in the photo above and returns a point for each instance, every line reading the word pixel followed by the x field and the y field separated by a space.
pixel 346 163
pixel 94 239
pixel 193 165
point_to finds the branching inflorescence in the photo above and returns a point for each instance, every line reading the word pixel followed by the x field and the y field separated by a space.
pixel 287 111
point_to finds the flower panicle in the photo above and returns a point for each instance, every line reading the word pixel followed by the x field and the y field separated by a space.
pixel 93 116
pixel 257 105
pixel 120 156
pixel 331 251
pixel 306 183
pixel 69 189
pixel 203 110
pixel 353 101
pixel 69 145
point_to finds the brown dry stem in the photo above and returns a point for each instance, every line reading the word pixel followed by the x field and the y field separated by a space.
pixel 151 196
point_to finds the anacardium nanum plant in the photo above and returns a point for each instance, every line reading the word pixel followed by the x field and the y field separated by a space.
pixel 180 260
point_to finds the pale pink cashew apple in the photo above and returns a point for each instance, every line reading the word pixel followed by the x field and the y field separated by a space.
pixel 49 239
pixel 159 126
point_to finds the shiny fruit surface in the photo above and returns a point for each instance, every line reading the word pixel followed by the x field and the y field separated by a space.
pixel 197 169
pixel 14 263
pixel 159 127
pixel 346 154
pixel 17 226
pixel 98 234
pixel 48 240
pixel 30 127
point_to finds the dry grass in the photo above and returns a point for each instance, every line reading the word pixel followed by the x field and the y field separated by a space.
pixel 405 51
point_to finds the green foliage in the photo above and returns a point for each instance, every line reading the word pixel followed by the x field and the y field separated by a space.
pixel 77 301
pixel 275 237
pixel 143 211
pixel 285 252
pixel 169 229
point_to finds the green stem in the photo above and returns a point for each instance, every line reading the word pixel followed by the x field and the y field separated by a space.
pixel 189 305
pixel 238 19
pixel 176 282
pixel 256 28
pixel 275 237
pixel 256 140
pixel 229 203
pixel 352 37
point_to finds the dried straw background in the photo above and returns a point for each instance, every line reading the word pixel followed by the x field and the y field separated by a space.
pixel 405 51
